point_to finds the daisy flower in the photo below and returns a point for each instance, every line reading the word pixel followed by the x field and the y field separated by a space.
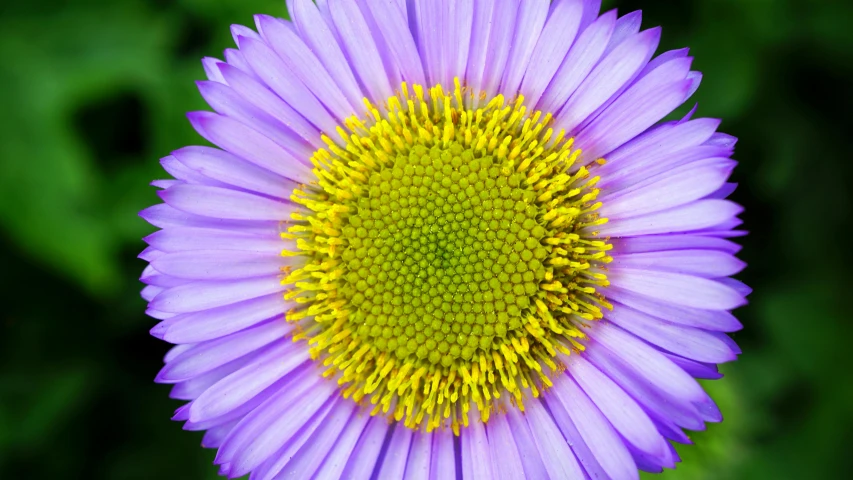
pixel 446 239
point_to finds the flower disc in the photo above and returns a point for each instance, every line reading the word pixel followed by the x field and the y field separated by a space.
pixel 452 249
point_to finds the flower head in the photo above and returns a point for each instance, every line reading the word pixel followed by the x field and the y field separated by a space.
pixel 446 239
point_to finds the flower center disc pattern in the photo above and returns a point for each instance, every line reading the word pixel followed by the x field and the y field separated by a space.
pixel 450 251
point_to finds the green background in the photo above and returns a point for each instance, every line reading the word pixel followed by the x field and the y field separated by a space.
pixel 93 93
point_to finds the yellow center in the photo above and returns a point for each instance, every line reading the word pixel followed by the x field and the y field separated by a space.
pixel 449 251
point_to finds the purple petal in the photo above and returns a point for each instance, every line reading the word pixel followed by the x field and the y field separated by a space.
pixel 366 452
pixel 502 445
pixel 526 445
pixel 685 290
pixel 691 343
pixel 557 37
pixel 334 464
pixel 180 239
pixel 659 243
pixel 702 263
pixel 318 35
pixel 221 264
pixel 305 138
pixel 313 453
pixel 271 425
pixel 717 320
pixel 443 463
pixel 530 21
pixel 669 190
pixel 206 356
pixel 597 433
pixel 391 22
pixel 693 216
pixel 475 455
pixel 582 57
pixel 621 410
pixel 394 461
pixel 306 66
pixel 199 296
pixel 219 322
pixel 560 462
pixel 226 203
pixel 280 79
pixel 164 216
pixel 417 463
pixel 500 40
pixel 361 48
pixel 607 78
pixel 247 143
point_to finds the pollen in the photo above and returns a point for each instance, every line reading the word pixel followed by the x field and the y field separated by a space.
pixel 450 252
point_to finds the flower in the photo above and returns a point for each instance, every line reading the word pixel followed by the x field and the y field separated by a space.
pixel 446 239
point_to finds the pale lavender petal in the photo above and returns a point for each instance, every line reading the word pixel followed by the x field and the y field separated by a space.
pixel 582 57
pixel 646 102
pixel 313 453
pixel 420 453
pixel 397 453
pixel 581 451
pixel 657 370
pixel 240 387
pixel 482 26
pixel 502 445
pixel 247 143
pixel 391 22
pixel 165 216
pixel 305 66
pixel 366 452
pixel 206 356
pixel 269 469
pixel 150 292
pixel 280 79
pixel 693 216
pixel 702 263
pixel 668 190
pixel 597 433
pixel 336 461
pixel 476 453
pixel 658 243
pixel 626 26
pixel 213 438
pixel 221 264
pixel 618 407
pixel 226 203
pixel 526 444
pixel 716 320
pixel 679 289
pixel 270 426
pixel 222 321
pixel 227 102
pixel 607 78
pixel 443 462
pixel 260 96
pixel 559 462
pixel 500 41
pixel 211 69
pixel 557 37
pixel 319 36
pixel 692 343
pixel 695 369
pixel 531 20
pixel 182 239
pixel 361 49
pixel 198 296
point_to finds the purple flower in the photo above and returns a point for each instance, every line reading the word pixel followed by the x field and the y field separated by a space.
pixel 446 239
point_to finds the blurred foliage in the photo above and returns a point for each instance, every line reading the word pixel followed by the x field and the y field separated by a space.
pixel 94 91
